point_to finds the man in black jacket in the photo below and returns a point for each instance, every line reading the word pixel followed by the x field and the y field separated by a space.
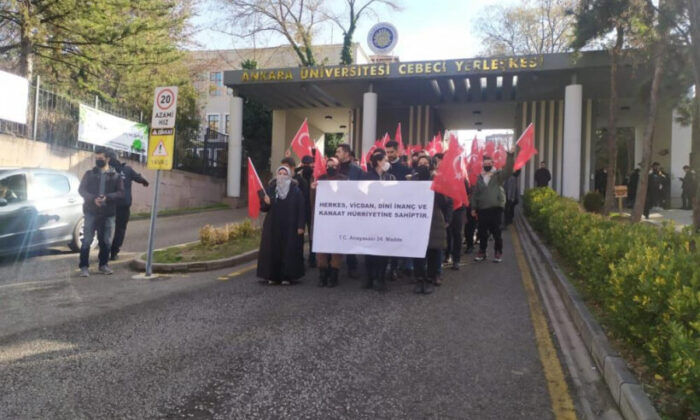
pixel 542 176
pixel 101 189
pixel 123 210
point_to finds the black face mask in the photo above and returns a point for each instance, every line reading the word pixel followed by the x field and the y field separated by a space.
pixel 100 163
pixel 307 171
pixel 487 168
pixel 331 171
pixel 423 173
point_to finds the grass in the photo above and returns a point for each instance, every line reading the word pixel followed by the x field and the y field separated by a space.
pixel 177 212
pixel 198 252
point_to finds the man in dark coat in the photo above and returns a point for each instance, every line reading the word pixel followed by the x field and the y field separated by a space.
pixel 688 188
pixel 123 212
pixel 352 172
pixel 542 176
pixel 601 180
pixel 101 188
pixel 632 187
pixel 280 259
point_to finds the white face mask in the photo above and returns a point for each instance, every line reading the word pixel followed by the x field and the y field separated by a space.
pixel 386 166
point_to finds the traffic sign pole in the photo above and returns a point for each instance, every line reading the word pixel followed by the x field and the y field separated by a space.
pixel 152 229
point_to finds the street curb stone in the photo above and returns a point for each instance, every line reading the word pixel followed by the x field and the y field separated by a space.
pixel 633 402
pixel 139 264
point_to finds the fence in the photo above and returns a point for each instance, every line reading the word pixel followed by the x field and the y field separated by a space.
pixel 54 119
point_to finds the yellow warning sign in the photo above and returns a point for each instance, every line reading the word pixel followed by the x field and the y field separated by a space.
pixel 161 146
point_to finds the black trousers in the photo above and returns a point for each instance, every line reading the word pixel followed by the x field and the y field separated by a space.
pixel 121 220
pixel 469 228
pixel 687 197
pixel 454 235
pixel 509 212
pixel 428 267
pixel 490 223
pixel 375 266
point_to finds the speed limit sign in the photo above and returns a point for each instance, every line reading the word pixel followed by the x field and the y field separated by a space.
pixel 164 107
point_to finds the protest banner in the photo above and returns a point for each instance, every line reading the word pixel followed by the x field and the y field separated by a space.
pixel 370 217
pixel 103 129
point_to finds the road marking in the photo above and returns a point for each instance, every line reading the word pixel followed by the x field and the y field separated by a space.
pixel 237 273
pixel 562 405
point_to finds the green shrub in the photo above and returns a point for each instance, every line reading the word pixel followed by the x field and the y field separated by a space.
pixel 209 235
pixel 593 202
pixel 645 280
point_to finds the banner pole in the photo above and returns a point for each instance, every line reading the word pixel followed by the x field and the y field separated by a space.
pixel 152 229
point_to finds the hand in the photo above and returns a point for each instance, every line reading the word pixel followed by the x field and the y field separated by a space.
pixel 145 183
pixel 473 213
pixel 300 231
pixel 99 201
pixel 314 185
pixel 267 199
pixel 287 153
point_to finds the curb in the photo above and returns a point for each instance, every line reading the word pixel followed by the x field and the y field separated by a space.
pixel 628 393
pixel 138 264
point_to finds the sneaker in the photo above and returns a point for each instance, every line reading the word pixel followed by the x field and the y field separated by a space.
pixel 84 272
pixel 480 256
pixel 497 258
pixel 286 283
pixel 114 257
pixel 105 270
pixel 455 266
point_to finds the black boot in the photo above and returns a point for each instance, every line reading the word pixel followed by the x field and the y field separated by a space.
pixel 333 279
pixel 420 286
pixel 323 277
pixel 369 281
pixel 428 288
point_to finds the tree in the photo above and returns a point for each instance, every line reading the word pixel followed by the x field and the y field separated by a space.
pixel 541 27
pixel 257 128
pixel 594 20
pixel 295 20
pixel 347 21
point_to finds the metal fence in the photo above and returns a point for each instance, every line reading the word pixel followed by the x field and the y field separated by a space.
pixel 54 119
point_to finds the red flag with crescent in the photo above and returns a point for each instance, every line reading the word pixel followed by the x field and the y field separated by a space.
pixel 526 145
pixel 301 143
pixel 254 185
pixel 449 179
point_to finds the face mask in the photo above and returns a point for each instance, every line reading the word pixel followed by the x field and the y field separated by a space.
pixel 331 171
pixel 487 168
pixel 423 172
pixel 307 171
pixel 100 163
pixel 386 166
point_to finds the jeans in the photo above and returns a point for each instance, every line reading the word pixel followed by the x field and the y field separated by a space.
pixel 105 230
pixel 121 220
pixel 490 222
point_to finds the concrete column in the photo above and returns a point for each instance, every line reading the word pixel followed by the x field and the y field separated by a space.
pixel 369 120
pixel 279 137
pixel 427 128
pixel 573 101
pixel 515 138
pixel 560 147
pixel 235 147
pixel 550 142
pixel 638 144
pixel 530 165
pixel 681 139
pixel 411 140
pixel 588 153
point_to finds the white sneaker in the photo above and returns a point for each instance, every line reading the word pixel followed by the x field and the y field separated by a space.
pixel 105 270
pixel 84 272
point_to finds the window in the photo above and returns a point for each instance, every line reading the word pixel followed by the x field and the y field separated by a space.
pixel 226 123
pixel 216 81
pixel 14 188
pixel 213 121
pixel 49 186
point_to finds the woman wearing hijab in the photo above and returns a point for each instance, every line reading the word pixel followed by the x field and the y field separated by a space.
pixel 378 170
pixel 437 239
pixel 281 246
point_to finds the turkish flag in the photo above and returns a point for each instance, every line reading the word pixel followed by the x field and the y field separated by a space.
pixel 435 146
pixel 319 166
pixel 301 143
pixel 526 143
pixel 254 185
pixel 363 163
pixel 397 137
pixel 385 140
pixel 490 148
pixel 449 179
pixel 474 168
pixel 499 157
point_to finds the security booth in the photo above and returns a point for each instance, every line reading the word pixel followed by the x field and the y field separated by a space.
pixel 566 96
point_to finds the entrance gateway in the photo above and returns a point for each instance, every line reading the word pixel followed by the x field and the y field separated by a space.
pixel 565 95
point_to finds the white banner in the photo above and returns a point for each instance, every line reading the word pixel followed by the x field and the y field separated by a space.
pixel 388 218
pixel 103 129
pixel 15 96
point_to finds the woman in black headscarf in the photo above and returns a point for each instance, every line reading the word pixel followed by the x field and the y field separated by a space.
pixel 282 243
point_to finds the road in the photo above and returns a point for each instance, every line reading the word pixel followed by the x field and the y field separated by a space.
pixel 222 345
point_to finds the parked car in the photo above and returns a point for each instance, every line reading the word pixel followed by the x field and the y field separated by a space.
pixel 39 208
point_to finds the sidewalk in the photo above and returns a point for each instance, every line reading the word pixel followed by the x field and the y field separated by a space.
pixel 681 218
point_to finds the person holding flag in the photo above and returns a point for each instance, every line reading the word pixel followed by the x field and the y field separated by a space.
pixel 281 254
pixel 487 202
pixel 328 264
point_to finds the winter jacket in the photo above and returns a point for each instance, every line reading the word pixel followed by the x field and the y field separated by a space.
pixel 351 171
pixel 128 174
pixel 89 189
pixel 542 177
pixel 399 170
pixel 486 196
pixel 372 175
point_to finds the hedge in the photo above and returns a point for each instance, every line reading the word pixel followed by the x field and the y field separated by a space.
pixel 644 279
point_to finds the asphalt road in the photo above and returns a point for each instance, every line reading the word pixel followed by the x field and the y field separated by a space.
pixel 221 345
pixel 60 263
